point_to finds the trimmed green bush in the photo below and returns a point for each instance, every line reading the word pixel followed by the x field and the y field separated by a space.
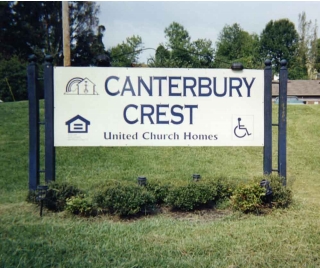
pixel 282 196
pixel 192 195
pixel 225 187
pixel 125 199
pixel 81 205
pixel 252 197
pixel 159 189
pixel 247 198
pixel 57 195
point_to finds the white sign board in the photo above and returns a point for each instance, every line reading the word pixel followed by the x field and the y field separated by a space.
pixel 95 106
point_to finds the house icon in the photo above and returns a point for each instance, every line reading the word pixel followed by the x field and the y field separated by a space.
pixel 79 86
pixel 78 124
pixel 86 87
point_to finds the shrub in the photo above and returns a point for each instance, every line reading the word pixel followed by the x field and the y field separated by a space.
pixel 81 205
pixel 247 198
pixel 57 195
pixel 192 195
pixel 225 187
pixel 282 196
pixel 125 199
pixel 159 190
pixel 252 197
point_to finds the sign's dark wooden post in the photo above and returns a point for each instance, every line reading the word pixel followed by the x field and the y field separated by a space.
pixel 34 141
pixel 282 130
pixel 267 149
pixel 49 126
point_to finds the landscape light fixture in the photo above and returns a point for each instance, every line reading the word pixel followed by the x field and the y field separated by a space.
pixel 196 177
pixel 142 181
pixel 41 195
pixel 268 191
pixel 237 66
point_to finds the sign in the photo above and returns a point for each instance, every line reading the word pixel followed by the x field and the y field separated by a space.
pixel 95 106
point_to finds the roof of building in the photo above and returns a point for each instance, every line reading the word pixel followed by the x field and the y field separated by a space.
pixel 300 88
pixel 78 117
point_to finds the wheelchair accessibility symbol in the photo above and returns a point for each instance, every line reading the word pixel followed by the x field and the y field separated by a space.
pixel 240 131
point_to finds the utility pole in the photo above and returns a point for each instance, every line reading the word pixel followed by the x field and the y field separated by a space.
pixel 66 34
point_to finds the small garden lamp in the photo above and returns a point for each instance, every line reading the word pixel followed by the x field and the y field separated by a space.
pixel 196 177
pixel 41 195
pixel 142 181
pixel 236 66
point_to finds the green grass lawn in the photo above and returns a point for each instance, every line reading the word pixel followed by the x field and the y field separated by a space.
pixel 284 238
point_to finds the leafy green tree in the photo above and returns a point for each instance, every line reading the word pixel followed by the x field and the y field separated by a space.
pixel 126 53
pixel 177 36
pixel 13 80
pixel 32 27
pixel 307 50
pixel 179 43
pixel 236 45
pixel 162 58
pixel 6 50
pixel 180 52
pixel 98 46
pixel 303 46
pixel 313 53
pixel 279 40
pixel 317 61
pixel 85 33
pixel 298 69
pixel 202 53
pixel 200 56
pixel 36 28
pixel 85 51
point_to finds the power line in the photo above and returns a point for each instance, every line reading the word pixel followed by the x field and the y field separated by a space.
pixel 132 52
pixel 212 59
pixel 190 52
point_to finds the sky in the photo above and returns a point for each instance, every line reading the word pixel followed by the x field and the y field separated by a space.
pixel 202 19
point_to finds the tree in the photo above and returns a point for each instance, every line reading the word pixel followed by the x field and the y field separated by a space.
pixel 279 40
pixel 126 53
pixel 179 43
pixel 85 33
pixel 36 28
pixel 202 53
pixel 236 45
pixel 304 41
pixel 180 52
pixel 85 51
pixel 307 51
pixel 313 53
pixel 6 33
pixel 13 80
pixel 297 69
pixel 162 58
pixel 317 61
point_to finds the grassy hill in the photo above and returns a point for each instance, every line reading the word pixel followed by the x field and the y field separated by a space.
pixel 286 238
